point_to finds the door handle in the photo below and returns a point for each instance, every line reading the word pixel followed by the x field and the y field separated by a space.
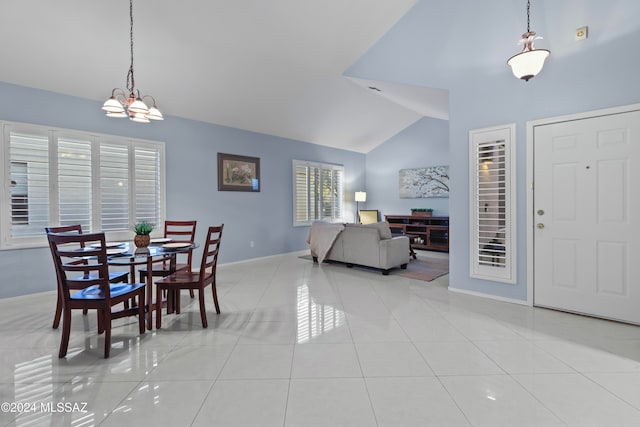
pixel 540 225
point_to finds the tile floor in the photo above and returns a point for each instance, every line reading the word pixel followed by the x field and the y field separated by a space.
pixel 302 345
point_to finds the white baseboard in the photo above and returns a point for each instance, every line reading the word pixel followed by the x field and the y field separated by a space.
pixel 242 261
pixel 495 297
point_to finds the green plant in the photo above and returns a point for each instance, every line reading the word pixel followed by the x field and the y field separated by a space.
pixel 421 210
pixel 143 228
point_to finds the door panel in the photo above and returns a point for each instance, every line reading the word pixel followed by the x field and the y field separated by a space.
pixel 587 216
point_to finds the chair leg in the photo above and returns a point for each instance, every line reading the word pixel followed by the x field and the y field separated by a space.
pixel 158 307
pixel 56 317
pixel 176 300
pixel 193 295
pixel 203 310
pixel 141 318
pixel 215 296
pixel 107 332
pixel 66 330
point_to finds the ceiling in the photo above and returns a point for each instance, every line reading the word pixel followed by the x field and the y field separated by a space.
pixel 274 67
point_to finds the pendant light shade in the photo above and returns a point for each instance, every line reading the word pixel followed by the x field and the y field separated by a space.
pixel 529 62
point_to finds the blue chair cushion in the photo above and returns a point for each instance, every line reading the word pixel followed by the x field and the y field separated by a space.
pixel 94 292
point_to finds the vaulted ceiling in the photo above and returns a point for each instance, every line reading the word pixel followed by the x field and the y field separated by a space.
pixel 274 67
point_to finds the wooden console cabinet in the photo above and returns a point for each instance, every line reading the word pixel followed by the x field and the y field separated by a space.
pixel 431 231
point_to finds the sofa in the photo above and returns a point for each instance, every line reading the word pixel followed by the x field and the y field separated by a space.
pixel 370 245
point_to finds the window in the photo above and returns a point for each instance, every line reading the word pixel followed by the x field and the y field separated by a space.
pixel 63 177
pixel 492 185
pixel 317 192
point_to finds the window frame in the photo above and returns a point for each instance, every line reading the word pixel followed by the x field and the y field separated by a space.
pixel 54 135
pixel 322 167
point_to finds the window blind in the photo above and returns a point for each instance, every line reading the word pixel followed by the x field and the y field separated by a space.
pixel 148 184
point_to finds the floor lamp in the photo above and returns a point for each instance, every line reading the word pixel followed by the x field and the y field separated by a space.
pixel 361 196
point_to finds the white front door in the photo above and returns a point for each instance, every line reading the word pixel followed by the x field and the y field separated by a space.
pixel 587 216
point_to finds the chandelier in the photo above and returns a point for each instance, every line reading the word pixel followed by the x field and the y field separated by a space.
pixel 129 103
pixel 530 61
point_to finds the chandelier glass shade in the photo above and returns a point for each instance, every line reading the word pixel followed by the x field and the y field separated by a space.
pixel 529 62
pixel 128 102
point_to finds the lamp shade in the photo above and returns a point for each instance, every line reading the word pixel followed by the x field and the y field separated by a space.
pixel 361 196
pixel 529 63
pixel 112 105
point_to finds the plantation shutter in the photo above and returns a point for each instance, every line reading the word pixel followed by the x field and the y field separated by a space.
pixel 492 204
pixel 29 183
pixel 147 185
pixel 318 190
pixel 75 182
pixel 114 187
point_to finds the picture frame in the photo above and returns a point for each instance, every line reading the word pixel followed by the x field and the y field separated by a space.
pixel 425 182
pixel 238 173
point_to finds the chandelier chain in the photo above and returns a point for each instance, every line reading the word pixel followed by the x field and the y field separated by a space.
pixel 528 16
pixel 130 80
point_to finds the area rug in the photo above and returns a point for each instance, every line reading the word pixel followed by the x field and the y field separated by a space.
pixel 425 269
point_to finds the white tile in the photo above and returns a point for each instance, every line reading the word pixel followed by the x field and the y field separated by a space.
pixel 588 358
pixel 268 333
pixel 578 401
pixel 395 359
pixel 244 403
pixel 258 361
pixel 497 400
pixel 329 402
pixel 457 358
pixel 521 357
pixel 160 403
pixel 376 341
pixel 325 361
pixel 376 330
pixel 626 386
pixel 413 402
pixel 190 363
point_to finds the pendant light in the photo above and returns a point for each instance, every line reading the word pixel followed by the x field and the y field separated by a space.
pixel 129 103
pixel 530 61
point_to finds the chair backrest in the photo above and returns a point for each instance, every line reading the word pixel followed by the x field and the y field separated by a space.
pixel 76 228
pixel 181 232
pixel 369 216
pixel 210 253
pixel 67 249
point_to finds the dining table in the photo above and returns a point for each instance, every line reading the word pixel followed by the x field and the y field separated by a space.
pixel 126 254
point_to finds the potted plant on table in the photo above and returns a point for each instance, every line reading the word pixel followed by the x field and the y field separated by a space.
pixel 421 212
pixel 143 230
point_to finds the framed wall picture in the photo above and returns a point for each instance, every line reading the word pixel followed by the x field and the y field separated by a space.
pixel 238 173
pixel 424 182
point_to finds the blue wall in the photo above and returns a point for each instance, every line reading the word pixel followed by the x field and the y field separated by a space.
pixel 427 46
pixel 265 218
pixel 425 143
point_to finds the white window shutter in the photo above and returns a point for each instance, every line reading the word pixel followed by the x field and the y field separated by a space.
pixel 147 185
pixel 317 192
pixel 29 183
pixel 492 201
pixel 75 182
pixel 114 187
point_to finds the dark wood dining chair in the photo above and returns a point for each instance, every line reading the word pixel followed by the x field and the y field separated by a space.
pixel 96 290
pixel 178 232
pixel 192 280
pixel 114 276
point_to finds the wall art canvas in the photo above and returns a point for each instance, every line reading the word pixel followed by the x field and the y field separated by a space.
pixel 420 183
pixel 238 173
